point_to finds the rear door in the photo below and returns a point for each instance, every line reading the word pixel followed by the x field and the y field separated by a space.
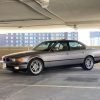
pixel 76 53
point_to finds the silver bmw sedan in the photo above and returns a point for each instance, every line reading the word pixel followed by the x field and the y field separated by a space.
pixel 52 53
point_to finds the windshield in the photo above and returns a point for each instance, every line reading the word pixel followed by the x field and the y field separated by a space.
pixel 44 46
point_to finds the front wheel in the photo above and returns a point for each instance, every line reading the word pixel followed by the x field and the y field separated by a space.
pixel 88 63
pixel 35 67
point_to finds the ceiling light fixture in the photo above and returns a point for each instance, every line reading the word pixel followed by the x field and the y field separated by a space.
pixel 43 3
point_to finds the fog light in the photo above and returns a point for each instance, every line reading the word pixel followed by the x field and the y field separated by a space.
pixel 16 68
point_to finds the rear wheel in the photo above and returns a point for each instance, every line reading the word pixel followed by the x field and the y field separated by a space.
pixel 88 63
pixel 35 67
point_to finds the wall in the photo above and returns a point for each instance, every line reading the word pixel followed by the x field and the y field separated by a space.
pixel 8 50
pixel 84 36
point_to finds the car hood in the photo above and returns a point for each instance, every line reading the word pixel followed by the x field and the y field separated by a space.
pixel 21 54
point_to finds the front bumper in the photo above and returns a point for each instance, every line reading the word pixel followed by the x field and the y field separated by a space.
pixel 11 66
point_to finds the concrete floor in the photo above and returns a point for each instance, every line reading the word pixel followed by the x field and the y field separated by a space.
pixel 52 84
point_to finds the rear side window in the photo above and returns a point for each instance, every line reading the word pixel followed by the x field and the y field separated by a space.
pixel 73 45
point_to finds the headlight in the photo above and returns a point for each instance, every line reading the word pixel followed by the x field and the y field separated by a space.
pixel 23 59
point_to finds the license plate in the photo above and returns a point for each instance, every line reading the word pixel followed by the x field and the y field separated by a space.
pixel 4 65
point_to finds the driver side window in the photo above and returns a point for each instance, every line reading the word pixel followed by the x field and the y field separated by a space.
pixel 61 46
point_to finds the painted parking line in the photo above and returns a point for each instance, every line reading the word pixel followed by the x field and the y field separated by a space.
pixel 96 67
pixel 60 86
pixel 62 75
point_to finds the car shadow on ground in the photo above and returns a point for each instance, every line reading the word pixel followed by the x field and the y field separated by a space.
pixel 61 69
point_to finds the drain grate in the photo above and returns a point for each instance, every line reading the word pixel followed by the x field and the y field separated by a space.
pixel 82 79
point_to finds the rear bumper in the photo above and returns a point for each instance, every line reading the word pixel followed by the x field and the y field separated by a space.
pixel 97 59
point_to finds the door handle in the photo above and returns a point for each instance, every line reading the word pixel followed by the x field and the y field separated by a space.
pixel 83 52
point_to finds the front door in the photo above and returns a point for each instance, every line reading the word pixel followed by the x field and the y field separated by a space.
pixel 58 55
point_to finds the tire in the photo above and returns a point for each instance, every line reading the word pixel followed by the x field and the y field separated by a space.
pixel 35 67
pixel 88 63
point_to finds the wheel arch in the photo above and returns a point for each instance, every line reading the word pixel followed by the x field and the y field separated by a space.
pixel 90 56
pixel 35 58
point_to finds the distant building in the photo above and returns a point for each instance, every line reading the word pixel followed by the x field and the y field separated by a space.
pixel 32 39
pixel 2 39
pixel 95 38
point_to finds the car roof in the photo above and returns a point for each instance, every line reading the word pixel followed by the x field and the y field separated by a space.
pixel 62 40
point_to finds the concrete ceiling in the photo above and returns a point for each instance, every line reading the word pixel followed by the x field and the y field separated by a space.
pixel 28 13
